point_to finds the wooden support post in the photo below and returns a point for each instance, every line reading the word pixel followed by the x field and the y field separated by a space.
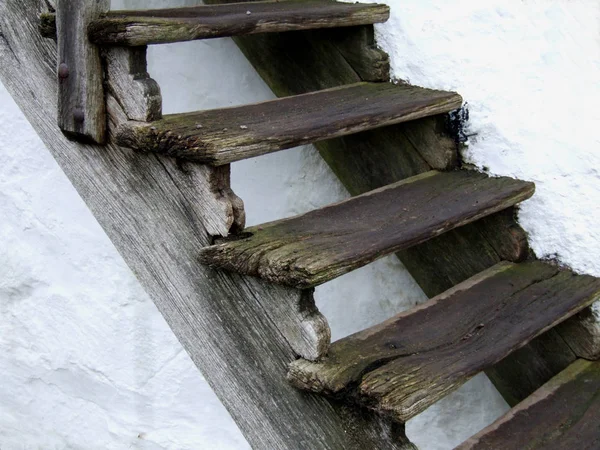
pixel 81 104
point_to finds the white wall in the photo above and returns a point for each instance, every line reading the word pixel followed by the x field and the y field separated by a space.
pixel 87 362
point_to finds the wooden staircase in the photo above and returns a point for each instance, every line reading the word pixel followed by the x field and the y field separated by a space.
pixel 404 365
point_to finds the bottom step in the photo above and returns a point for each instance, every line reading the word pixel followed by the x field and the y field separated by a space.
pixel 407 363
pixel 563 414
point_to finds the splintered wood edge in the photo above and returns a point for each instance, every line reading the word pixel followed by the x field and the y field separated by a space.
pixel 546 391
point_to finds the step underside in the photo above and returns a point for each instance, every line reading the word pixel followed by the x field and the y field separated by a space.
pixel 404 365
pixel 222 136
pixel 313 248
pixel 564 414
pixel 161 26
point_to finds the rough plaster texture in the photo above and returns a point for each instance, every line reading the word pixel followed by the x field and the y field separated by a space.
pixel 87 362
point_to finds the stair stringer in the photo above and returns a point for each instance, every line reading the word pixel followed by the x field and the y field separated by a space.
pixel 299 62
pixel 158 214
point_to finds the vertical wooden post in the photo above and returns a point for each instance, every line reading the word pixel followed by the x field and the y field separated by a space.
pixel 81 104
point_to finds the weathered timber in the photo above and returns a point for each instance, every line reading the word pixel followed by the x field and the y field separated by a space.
pixel 221 136
pixel 81 106
pixel 294 63
pixel 564 414
pixel 162 26
pixel 520 374
pixel 407 363
pixel 315 247
pixel 127 75
pixel 582 333
pixel 159 214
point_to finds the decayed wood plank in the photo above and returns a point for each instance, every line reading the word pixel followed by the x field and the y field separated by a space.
pixel 221 136
pixel 161 26
pixel 564 414
pixel 295 63
pixel 159 214
pixel 315 247
pixel 81 107
pixel 407 363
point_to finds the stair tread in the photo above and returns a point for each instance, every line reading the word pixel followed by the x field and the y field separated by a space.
pixel 564 414
pixel 315 247
pixel 221 136
pixel 407 363
pixel 160 26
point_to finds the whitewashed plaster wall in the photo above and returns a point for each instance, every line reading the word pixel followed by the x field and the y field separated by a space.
pixel 87 362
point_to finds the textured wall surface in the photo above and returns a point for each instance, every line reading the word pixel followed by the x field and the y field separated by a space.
pixel 87 362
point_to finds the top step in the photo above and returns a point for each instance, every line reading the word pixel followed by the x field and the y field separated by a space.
pixel 163 26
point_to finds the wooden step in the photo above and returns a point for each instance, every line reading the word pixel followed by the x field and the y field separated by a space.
pixel 313 248
pixel 222 136
pixel 161 26
pixel 407 363
pixel 564 414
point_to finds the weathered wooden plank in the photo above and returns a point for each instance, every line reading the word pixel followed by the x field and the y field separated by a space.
pixel 81 106
pixel 407 363
pixel 564 414
pixel 315 247
pixel 159 214
pixel 221 136
pixel 294 63
pixel 161 26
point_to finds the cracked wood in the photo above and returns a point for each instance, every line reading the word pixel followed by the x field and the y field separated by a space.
pixel 407 363
pixel 222 136
pixel 315 247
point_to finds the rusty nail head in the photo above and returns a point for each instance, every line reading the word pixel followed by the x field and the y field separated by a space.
pixel 63 71
pixel 79 115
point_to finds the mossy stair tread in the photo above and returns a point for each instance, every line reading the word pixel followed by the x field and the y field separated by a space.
pixel 161 26
pixel 310 249
pixel 221 136
pixel 404 365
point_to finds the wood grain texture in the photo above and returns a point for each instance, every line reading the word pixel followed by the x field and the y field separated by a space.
pixel 159 214
pixel 295 63
pixel 407 363
pixel 222 136
pixel 582 333
pixel 81 106
pixel 313 248
pixel 162 26
pixel 127 75
pixel 564 414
